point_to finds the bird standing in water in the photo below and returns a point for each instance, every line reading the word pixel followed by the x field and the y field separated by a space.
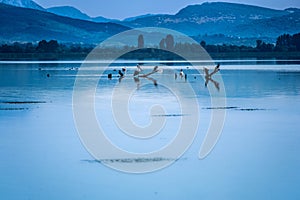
pixel 120 73
pixel 137 71
pixel 209 75
pixel 181 74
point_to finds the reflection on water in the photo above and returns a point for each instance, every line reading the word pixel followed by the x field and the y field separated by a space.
pixel 41 154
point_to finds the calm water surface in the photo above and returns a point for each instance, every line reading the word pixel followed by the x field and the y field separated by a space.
pixel 256 157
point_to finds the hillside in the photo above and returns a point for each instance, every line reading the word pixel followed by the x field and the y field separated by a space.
pixel 69 11
pixel 216 22
pixel 230 19
pixel 21 24
pixel 23 4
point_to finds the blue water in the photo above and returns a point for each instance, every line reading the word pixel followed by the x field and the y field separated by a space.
pixel 256 157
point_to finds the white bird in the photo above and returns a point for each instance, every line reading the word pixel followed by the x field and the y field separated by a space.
pixel 137 71
pixel 181 74
pixel 209 75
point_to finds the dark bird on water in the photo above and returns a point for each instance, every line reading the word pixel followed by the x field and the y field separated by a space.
pixel 120 73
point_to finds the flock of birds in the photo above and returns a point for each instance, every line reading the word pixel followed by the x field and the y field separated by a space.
pixel 138 74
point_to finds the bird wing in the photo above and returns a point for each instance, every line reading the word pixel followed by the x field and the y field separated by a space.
pixel 205 71
pixel 139 68
pixel 217 68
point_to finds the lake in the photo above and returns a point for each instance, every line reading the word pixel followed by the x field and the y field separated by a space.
pixel 48 108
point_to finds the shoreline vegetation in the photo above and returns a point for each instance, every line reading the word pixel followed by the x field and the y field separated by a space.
pixel 82 56
pixel 286 47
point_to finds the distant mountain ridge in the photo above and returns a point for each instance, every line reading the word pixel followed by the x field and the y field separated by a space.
pixel 235 22
pixel 22 24
pixel 129 19
pixel 225 18
pixel 69 11
pixel 23 4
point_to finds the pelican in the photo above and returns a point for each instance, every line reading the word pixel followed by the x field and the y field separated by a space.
pixel 181 74
pixel 137 71
pixel 209 75
pixel 155 69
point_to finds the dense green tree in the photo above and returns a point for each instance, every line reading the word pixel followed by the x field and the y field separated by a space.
pixel 258 44
pixel 53 46
pixel 169 42
pixel 203 44
pixel 48 47
pixel 263 47
pixel 141 41
pixel 296 41
pixel 42 46
pixel 284 42
pixel 162 44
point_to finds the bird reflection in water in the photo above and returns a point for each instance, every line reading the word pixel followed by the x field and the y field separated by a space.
pixel 137 75
pixel 208 76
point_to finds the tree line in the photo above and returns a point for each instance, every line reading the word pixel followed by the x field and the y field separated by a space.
pixel 45 47
pixel 284 43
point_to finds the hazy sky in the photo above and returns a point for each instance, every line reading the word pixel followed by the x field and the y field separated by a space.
pixel 120 9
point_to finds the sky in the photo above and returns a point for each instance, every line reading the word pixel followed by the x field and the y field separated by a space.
pixel 120 9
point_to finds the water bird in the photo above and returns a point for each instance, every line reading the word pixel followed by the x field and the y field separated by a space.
pixel 181 74
pixel 123 69
pixel 120 73
pixel 155 69
pixel 109 76
pixel 139 68
pixel 208 76
pixel 137 71
pixel 137 75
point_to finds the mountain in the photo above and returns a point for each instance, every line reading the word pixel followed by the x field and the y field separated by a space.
pixel 217 22
pixel 231 19
pixel 69 11
pixel 272 27
pixel 22 24
pixel 101 19
pixel 23 4
pixel 129 19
